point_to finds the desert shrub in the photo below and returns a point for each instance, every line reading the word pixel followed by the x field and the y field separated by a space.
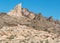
pixel 46 41
pixel 11 37
pixel 41 41
pixel 32 42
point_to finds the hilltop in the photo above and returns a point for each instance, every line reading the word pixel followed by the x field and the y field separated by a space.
pixel 22 25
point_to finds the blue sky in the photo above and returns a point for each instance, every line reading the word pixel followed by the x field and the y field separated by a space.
pixel 46 7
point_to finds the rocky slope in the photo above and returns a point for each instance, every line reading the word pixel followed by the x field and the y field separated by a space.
pixel 24 34
pixel 22 26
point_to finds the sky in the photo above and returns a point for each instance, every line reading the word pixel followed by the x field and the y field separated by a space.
pixel 46 7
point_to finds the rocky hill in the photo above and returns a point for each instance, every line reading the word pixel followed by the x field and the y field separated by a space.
pixel 22 26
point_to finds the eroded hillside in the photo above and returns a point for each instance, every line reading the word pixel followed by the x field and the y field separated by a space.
pixel 22 26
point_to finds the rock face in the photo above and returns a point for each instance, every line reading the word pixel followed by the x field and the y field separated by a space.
pixel 23 26
pixel 16 12
pixel 25 11
pixel 28 14
pixel 31 15
pixel 20 12
pixel 39 17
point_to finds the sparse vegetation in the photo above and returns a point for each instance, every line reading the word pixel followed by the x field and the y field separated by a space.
pixel 11 37
pixel 26 26
pixel 46 41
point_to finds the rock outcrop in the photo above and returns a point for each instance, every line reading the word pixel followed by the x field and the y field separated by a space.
pixel 20 12
pixel 17 12
pixel 28 14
